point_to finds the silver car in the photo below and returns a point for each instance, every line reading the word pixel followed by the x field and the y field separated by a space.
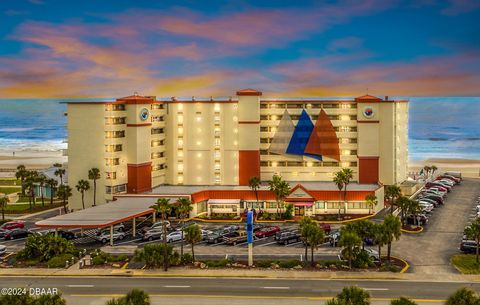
pixel 105 236
pixel 152 234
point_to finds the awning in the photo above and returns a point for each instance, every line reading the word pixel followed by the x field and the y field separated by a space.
pixel 303 204
pixel 223 201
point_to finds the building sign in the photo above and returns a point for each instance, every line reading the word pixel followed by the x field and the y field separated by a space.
pixel 144 114
pixel 368 112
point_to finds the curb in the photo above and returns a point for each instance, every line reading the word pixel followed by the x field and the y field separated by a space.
pixel 412 232
pixel 407 265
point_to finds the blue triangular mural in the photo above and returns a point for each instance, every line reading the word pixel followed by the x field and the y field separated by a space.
pixel 300 137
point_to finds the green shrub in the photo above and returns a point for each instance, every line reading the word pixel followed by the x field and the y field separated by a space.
pixel 289 263
pixel 288 212
pixel 31 262
pixel 265 263
pixel 59 261
pixel 98 260
pixel 217 263
pixel 153 255
pixel 389 267
pixel 362 260
pixel 187 258
pixel 44 247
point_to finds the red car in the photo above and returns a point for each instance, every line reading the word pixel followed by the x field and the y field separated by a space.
pixel 326 227
pixel 451 178
pixel 267 231
pixel 13 225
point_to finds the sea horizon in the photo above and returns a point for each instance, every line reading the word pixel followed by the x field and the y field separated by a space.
pixel 438 126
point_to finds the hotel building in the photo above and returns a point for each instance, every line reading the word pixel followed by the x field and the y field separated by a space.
pixel 142 145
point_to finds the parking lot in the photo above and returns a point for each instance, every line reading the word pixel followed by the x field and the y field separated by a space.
pixel 429 252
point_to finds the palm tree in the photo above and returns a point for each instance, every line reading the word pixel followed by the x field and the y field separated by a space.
pixel 4 200
pixel 83 186
pixel 52 184
pixel 305 228
pixel 64 192
pixel 354 296
pixel 94 174
pixel 193 236
pixel 426 170
pixel 364 229
pixel 254 183
pixel 314 237
pixel 473 232
pixel 392 192
pixel 349 240
pixel 380 238
pixel 163 207
pixel 21 174
pixel 134 297
pixel 433 168
pixel 402 301
pixel 403 203
pixel 60 172
pixel 41 183
pixel 347 177
pixel 463 296
pixel 183 211
pixel 371 200
pixel 338 179
pixel 414 208
pixel 30 179
pixel 280 188
pixel 393 230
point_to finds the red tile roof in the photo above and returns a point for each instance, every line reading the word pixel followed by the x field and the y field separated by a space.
pixel 249 92
pixel 368 97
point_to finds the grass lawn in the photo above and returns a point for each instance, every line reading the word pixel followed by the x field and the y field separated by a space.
pixel 466 263
pixel 25 208
pixel 10 181
pixel 10 189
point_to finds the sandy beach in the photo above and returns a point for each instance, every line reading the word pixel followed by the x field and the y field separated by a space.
pixel 31 159
pixel 468 168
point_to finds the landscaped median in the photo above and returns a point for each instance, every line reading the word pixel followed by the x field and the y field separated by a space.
pixel 412 230
pixel 466 263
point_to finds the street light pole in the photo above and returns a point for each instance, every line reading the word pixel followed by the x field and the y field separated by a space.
pixel 250 237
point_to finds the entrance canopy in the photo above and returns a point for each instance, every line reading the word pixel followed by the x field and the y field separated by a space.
pixel 104 215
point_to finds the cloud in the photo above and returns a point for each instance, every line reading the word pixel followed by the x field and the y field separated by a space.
pixel 346 43
pixel 458 7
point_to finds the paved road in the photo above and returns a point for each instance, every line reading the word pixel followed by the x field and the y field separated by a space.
pixel 430 252
pixel 93 290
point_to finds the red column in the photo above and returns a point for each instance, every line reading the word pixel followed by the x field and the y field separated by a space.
pixel 249 165
pixel 368 170
pixel 139 178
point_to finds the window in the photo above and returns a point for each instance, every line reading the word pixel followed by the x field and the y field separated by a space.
pixel 157 106
pixel 116 189
pixel 115 134
pixel 271 205
pixel 333 205
pixel 157 130
pixel 112 161
pixel 320 204
pixel 111 175
pixel 157 118
pixel 156 143
pixel 114 121
pixel 157 155
pixel 158 167
pixel 114 107
pixel 113 148
pixel 357 205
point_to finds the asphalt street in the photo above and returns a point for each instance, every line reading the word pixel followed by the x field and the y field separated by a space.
pixel 95 290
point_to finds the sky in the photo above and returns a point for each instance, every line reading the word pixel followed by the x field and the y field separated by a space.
pixel 91 48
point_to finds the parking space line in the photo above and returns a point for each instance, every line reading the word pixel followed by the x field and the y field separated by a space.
pixel 175 286
pixel 270 243
pixel 286 288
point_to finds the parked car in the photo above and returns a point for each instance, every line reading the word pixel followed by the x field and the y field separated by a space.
pixel 64 234
pixel 2 233
pixel 333 238
pixel 205 234
pixel 15 224
pixel 152 234
pixel 326 228
pixel 287 237
pixel 217 237
pixel 422 201
pixel 257 226
pixel 468 246
pixel 438 187
pixel 174 236
pixel 430 201
pixel 3 249
pixel 426 207
pixel 119 227
pixel 422 219
pixel 454 174
pixel 230 229
pixel 437 198
pixel 437 183
pixel 157 225
pixel 431 192
pixel 371 253
pixel 446 181
pixel 267 231
pixel 456 179
pixel 104 237
pixel 239 237
pixel 16 234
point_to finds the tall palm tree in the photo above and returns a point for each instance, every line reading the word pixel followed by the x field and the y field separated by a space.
pixel 60 172
pixel 473 232
pixel 254 183
pixel 338 179
pixel 392 192
pixel 393 230
pixel 21 174
pixel 94 174
pixel 305 228
pixel 380 237
pixel 433 168
pixel 403 203
pixel 41 183
pixel 426 170
pixel 371 200
pixel 193 236
pixel 52 184
pixel 414 208
pixel 64 192
pixel 347 177
pixel 315 237
pixel 83 186
pixel 349 240
pixel 4 200
pixel 30 180
pixel 163 207
pixel 184 207
pixel 280 188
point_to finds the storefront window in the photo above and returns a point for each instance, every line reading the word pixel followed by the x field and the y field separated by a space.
pixel 320 204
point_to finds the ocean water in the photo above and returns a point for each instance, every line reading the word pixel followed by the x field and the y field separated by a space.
pixel 439 127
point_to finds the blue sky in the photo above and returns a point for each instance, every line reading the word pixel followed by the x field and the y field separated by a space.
pixel 52 48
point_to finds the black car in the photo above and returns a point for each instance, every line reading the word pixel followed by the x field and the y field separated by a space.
pixel 437 198
pixel 2 233
pixel 16 234
pixel 468 246
pixel 217 237
pixel 64 234
pixel 288 237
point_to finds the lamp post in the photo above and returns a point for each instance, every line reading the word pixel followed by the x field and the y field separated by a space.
pixel 250 237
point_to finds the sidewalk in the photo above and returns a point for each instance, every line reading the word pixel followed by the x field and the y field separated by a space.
pixel 239 273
